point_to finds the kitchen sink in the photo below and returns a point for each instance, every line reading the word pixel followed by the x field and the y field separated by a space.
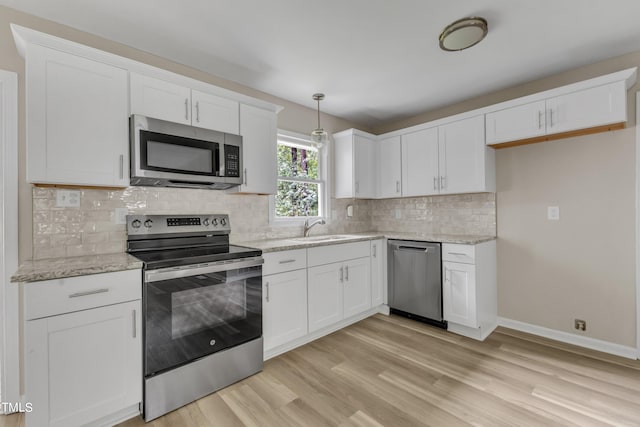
pixel 326 238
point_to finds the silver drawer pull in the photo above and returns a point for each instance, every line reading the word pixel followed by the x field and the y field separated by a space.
pixel 135 325
pixel 457 253
pixel 84 294
pixel 287 261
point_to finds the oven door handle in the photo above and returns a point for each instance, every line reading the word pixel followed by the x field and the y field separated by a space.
pixel 186 271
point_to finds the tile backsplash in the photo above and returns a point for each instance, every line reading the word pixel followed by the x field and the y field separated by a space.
pixel 91 228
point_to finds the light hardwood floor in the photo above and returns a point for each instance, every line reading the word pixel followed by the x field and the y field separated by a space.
pixel 391 371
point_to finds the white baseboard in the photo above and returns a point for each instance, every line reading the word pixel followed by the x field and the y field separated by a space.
pixel 567 338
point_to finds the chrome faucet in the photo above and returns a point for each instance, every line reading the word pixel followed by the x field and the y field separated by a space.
pixel 308 226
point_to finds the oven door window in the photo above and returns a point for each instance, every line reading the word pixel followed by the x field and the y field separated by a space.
pixel 168 153
pixel 190 317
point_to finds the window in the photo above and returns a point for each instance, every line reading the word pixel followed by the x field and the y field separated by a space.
pixel 301 189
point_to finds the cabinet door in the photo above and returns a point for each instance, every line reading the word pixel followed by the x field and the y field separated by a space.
pixel 587 108
pixel 378 277
pixel 462 156
pixel 357 286
pixel 160 99
pixel 284 307
pixel 82 366
pixel 459 294
pixel 420 175
pixel 77 120
pixel 325 295
pixel 512 124
pixel 215 112
pixel 364 162
pixel 389 168
pixel 259 145
pixel 343 153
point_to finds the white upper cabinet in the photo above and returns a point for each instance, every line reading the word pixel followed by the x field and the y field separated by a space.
pixel 389 168
pixel 214 112
pixel 466 164
pixel 593 105
pixel 179 104
pixel 259 132
pixel 588 108
pixel 355 160
pixel 77 120
pixel 523 121
pixel 420 175
pixel 160 99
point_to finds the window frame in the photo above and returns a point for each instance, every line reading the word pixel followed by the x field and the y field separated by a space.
pixel 303 141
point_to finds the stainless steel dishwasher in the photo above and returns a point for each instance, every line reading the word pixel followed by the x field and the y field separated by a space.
pixel 415 280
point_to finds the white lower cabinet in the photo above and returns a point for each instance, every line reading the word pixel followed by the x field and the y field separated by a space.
pixel 325 295
pixel 469 288
pixel 284 307
pixel 84 366
pixel 378 272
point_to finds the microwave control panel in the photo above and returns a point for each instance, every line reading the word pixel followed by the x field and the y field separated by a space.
pixel 232 161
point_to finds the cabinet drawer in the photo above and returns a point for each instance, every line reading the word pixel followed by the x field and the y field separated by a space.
pixel 336 253
pixel 458 253
pixel 53 297
pixel 278 262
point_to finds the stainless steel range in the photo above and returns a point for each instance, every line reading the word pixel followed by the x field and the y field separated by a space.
pixel 202 307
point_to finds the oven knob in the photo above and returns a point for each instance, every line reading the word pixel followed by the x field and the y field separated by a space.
pixel 223 221
pixel 136 223
pixel 206 222
pixel 214 221
pixel 148 223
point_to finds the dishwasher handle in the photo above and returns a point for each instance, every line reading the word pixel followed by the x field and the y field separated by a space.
pixel 414 249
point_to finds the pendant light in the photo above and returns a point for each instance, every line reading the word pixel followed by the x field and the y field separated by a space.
pixel 319 137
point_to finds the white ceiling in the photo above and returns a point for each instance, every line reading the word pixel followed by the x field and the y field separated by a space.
pixel 376 60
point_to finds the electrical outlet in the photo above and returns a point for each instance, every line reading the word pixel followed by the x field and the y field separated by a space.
pixel 553 213
pixel 398 213
pixel 67 198
pixel 580 325
pixel 120 216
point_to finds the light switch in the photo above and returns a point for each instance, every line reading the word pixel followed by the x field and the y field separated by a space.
pixel 398 213
pixel 121 215
pixel 553 213
pixel 68 198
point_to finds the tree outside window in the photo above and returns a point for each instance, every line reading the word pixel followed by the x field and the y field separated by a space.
pixel 299 182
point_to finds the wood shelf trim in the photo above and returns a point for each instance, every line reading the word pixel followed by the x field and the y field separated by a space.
pixel 562 135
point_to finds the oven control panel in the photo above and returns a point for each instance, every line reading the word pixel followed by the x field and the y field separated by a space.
pixel 145 225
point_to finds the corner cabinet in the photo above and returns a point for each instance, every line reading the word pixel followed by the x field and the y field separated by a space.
pixel 83 349
pixel 354 160
pixel 259 132
pixel 469 288
pixel 77 120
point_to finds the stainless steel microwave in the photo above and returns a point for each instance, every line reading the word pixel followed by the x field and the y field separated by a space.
pixel 166 154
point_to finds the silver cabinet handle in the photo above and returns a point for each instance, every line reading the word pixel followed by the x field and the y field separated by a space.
pixel 245 176
pixel 357 187
pixel 443 182
pixel 267 288
pixel 342 274
pixel 551 117
pixel 186 108
pixel 346 274
pixel 121 166
pixel 84 294
pixel 457 253
pixel 435 183
pixel 286 261
pixel 198 111
pixel 397 186
pixel 539 119
pixel 375 251
pixel 135 326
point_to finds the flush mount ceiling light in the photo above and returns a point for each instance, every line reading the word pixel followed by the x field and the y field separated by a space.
pixel 463 33
pixel 319 137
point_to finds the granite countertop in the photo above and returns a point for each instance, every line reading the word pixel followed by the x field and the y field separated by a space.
pixel 289 243
pixel 58 268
